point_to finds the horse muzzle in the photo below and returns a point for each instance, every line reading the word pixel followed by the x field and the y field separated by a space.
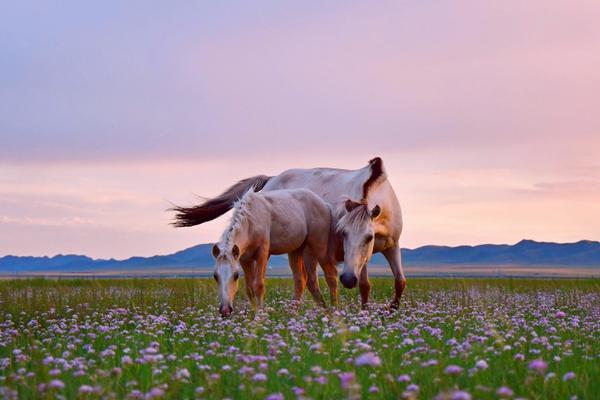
pixel 225 310
pixel 348 280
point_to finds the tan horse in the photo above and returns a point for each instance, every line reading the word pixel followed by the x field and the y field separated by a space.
pixel 296 222
pixel 369 185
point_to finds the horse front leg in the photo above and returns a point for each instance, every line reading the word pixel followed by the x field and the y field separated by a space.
pixel 248 267
pixel 395 260
pixel 259 278
pixel 364 287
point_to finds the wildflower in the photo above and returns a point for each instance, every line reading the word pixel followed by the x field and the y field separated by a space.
pixel 404 378
pixel 346 378
pixel 84 389
pixel 481 364
pixel 56 384
pixel 155 393
pixel 568 376
pixel 283 371
pixel 561 314
pixel 453 370
pixel 373 389
pixel 275 396
pixel 412 388
pixel 504 392
pixel 460 395
pixel 538 366
pixel 369 358
pixel 259 377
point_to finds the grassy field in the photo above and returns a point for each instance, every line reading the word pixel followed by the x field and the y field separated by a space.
pixel 163 338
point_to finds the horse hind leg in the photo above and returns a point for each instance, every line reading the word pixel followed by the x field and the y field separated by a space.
pixel 299 274
pixel 312 279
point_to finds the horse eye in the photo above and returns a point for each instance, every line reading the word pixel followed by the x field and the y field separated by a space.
pixel 236 275
pixel 368 238
pixel 216 277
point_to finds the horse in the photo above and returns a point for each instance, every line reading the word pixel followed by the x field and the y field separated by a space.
pixel 368 186
pixel 292 221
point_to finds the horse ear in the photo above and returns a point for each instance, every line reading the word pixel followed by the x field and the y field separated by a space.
pixel 351 204
pixel 216 251
pixel 375 212
pixel 235 251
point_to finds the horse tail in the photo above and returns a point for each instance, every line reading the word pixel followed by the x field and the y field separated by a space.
pixel 213 208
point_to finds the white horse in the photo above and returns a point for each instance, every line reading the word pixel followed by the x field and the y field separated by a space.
pixel 367 186
pixel 293 221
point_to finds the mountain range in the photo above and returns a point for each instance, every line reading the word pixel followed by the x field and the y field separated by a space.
pixel 582 254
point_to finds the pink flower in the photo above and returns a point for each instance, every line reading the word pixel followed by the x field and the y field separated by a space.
pixel 275 396
pixel 370 359
pixel 404 378
pixel 481 364
pixel 373 389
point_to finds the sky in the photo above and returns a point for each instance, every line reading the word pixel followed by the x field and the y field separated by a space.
pixel 486 114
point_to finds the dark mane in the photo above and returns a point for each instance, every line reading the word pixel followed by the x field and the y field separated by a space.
pixel 376 172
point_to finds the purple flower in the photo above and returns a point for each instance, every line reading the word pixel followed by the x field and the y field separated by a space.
pixel 373 389
pixel 460 395
pixel 369 358
pixel 346 379
pixel 504 392
pixel 275 396
pixel 259 377
pixel 453 370
pixel 56 384
pixel 538 366
pixel 83 389
pixel 568 376
pixel 404 378
pixel 481 364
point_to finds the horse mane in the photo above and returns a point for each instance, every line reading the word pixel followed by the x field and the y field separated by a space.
pixel 376 173
pixel 241 209
pixel 354 219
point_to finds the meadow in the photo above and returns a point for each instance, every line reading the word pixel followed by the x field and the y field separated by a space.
pixel 163 338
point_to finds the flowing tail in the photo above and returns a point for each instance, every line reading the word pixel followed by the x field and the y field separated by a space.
pixel 213 208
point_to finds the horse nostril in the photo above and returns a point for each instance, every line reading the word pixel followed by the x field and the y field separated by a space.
pixel 348 280
pixel 226 311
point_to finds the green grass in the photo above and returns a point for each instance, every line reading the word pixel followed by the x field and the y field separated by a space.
pixel 89 325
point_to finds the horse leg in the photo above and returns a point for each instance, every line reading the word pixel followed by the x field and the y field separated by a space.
pixel 248 267
pixel 299 274
pixel 364 287
pixel 395 260
pixel 312 279
pixel 331 277
pixel 262 260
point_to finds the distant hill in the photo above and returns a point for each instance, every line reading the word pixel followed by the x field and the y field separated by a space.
pixel 584 253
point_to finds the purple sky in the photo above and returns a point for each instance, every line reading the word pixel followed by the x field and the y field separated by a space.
pixel 486 115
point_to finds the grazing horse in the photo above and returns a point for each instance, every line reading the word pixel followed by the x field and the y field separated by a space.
pixel 292 221
pixel 369 185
